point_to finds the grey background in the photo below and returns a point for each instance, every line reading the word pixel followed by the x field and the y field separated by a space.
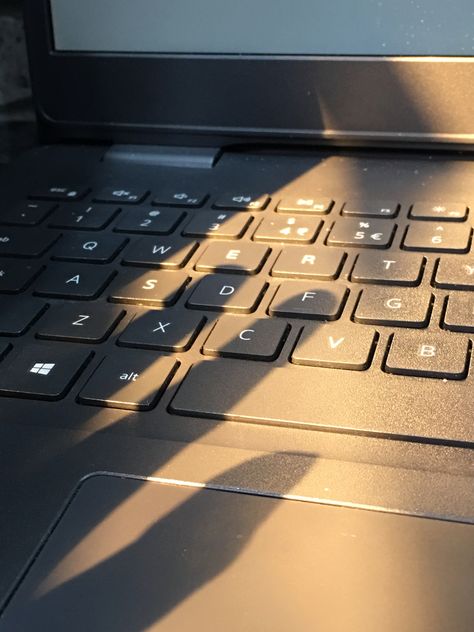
pixel 329 27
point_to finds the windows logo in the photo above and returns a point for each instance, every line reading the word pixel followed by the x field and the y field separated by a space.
pixel 42 368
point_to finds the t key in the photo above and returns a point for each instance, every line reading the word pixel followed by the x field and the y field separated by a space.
pixel 390 269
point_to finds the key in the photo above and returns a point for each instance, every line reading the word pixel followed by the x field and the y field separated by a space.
pixel 288 229
pixel 227 257
pixel 155 221
pixel 188 198
pixel 129 380
pixel 459 314
pixel 340 346
pixel 371 208
pixel 361 233
pixel 226 293
pixel 432 237
pixel 27 214
pixel 83 216
pixel 4 349
pixel 390 269
pixel 18 313
pixel 455 273
pixel 309 300
pixel 80 323
pixel 60 192
pixel 154 288
pixel 255 339
pixel 41 371
pixel 306 204
pixel 25 242
pixel 310 263
pixel 243 201
pixel 439 355
pixel 223 225
pixel 164 252
pixel 398 307
pixel 83 247
pixel 448 212
pixel 166 330
pixel 120 196
pixel 67 280
pixel 15 276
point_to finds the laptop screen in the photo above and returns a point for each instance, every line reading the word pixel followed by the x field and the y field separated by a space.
pixel 265 27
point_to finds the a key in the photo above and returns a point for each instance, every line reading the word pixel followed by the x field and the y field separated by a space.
pixel 17 314
pixel 42 371
pixel 67 280
pixel 226 293
pixel 27 214
pixel 25 242
pixel 459 314
pixel 337 346
pixel 164 329
pixel 433 237
pixel 246 258
pixel 120 195
pixel 446 212
pixel 83 216
pixel 309 263
pixel 371 208
pixel 132 380
pixel 288 229
pixel 306 204
pixel 60 192
pixel 361 233
pixel 243 201
pixel 187 198
pixel 15 276
pixel 439 355
pixel 151 221
pixel 218 225
pixel 318 301
pixel 93 249
pixel 455 273
pixel 150 287
pixel 399 307
pixel 255 339
pixel 79 322
pixel 393 268
pixel 160 252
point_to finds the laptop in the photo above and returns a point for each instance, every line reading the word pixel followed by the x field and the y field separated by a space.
pixel 236 319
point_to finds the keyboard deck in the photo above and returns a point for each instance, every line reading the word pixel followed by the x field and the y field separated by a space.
pixel 298 309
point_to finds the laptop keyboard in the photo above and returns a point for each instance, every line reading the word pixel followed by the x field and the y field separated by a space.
pixel 243 280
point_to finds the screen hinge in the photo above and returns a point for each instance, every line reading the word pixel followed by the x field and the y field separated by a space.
pixel 164 156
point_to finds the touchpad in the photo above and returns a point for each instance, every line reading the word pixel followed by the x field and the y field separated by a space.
pixel 129 555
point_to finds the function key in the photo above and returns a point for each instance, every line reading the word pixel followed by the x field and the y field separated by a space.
pixel 42 371
pixel 362 234
pixel 121 196
pixel 434 237
pixel 455 273
pixel 370 208
pixel 27 214
pixel 452 212
pixel 391 269
pixel 305 204
pixel 152 221
pixel 60 193
pixel 83 216
pixel 223 225
pixel 431 355
pixel 243 201
pixel 310 263
pixel 288 229
pixel 186 198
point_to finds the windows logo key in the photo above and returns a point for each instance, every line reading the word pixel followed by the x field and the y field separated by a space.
pixel 42 368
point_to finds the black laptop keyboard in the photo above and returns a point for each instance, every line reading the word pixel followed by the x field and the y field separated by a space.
pixel 355 286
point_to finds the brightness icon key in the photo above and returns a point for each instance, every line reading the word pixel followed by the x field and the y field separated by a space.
pixel 39 372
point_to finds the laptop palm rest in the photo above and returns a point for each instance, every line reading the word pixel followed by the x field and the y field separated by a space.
pixel 129 555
